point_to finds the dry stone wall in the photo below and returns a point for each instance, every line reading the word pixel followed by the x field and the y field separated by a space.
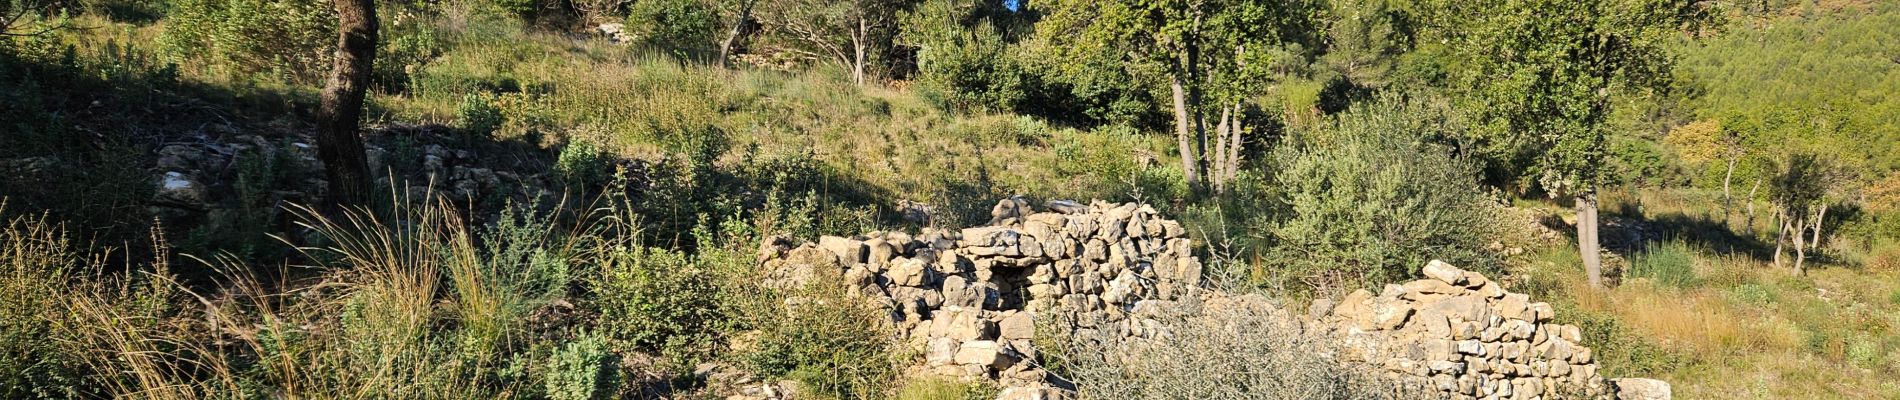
pixel 968 299
pixel 971 300
pixel 1466 336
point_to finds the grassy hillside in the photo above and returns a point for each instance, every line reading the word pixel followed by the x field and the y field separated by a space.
pixel 637 276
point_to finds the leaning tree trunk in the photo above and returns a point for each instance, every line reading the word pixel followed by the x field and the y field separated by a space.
pixel 732 35
pixel 1800 245
pixel 1750 226
pixel 1727 201
pixel 1781 235
pixel 1820 215
pixel 1181 129
pixel 1587 238
pixel 339 142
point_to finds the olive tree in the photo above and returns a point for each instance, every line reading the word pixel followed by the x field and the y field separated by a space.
pixel 1541 74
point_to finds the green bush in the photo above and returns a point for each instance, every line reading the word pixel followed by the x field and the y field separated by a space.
pixel 963 68
pixel 284 39
pixel 34 268
pixel 479 114
pixel 943 389
pixel 580 166
pixel 681 27
pixel 584 369
pixel 656 299
pixel 1671 263
pixel 408 45
pixel 829 343
pixel 1618 349
pixel 1372 198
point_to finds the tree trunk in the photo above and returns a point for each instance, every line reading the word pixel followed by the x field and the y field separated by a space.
pixel 1800 246
pixel 1750 227
pixel 1194 100
pixel 1217 174
pixel 1781 235
pixel 1726 200
pixel 1587 238
pixel 1233 146
pixel 1181 129
pixel 339 142
pixel 732 35
pixel 857 51
pixel 1820 216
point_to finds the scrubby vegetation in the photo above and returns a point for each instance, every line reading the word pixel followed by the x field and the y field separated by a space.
pixel 567 212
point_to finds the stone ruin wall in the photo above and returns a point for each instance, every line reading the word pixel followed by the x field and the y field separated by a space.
pixel 970 300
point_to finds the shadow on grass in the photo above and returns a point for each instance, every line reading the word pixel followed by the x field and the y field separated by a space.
pixel 1627 231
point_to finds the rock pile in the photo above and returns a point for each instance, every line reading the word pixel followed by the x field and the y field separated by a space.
pixel 1465 336
pixel 969 300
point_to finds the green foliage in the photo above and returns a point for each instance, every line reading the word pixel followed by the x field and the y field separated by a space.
pixel 583 369
pixel 282 39
pixel 1671 263
pixel 964 63
pixel 826 341
pixel 35 267
pixel 580 165
pixel 520 8
pixel 479 115
pixel 657 299
pixel 942 389
pixel 1370 200
pixel 1820 82
pixel 407 45
pixel 1618 349
pixel 682 27
pixel 1539 75
pixel 1799 186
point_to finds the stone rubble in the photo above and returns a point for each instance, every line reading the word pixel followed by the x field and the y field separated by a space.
pixel 968 299
pixel 1464 335
pixel 971 301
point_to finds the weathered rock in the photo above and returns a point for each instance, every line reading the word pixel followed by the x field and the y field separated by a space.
pixel 1017 325
pixel 1013 207
pixel 986 353
pixel 1444 272
pixel 177 189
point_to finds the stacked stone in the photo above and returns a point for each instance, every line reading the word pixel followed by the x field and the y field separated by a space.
pixel 969 299
pixel 1464 335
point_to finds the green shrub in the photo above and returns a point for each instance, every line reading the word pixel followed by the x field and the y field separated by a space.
pixel 1618 349
pixel 34 267
pixel 479 115
pixel 284 39
pixel 584 369
pixel 829 343
pixel 1371 199
pixel 681 27
pixel 408 45
pixel 1866 352
pixel 962 68
pixel 1756 294
pixel 657 299
pixel 580 166
pixel 1671 263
